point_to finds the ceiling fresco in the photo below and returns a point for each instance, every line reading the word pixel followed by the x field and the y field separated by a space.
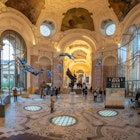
pixel 122 7
pixel 30 8
pixel 77 18
pixel 73 18
pixel 79 54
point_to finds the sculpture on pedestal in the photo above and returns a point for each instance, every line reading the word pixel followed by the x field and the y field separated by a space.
pixel 72 77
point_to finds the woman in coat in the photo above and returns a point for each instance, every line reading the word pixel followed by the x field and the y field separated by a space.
pixel 52 103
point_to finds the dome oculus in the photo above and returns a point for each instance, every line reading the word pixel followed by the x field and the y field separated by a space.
pixel 110 29
pixel 45 30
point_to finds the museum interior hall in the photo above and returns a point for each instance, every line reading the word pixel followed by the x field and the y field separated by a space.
pixel 70 69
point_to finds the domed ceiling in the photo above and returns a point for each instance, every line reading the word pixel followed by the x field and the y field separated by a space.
pixel 122 7
pixel 77 18
pixel 32 8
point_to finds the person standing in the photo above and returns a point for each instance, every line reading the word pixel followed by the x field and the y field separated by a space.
pixel 44 93
pixel 137 95
pixel 95 95
pixel 41 92
pixel 83 87
pixel 91 89
pixel 15 93
pixel 100 94
pixel 52 101
pixel 56 92
pixel 47 90
pixel 85 92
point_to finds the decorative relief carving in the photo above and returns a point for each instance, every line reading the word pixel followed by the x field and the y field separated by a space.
pixel 64 1
pixel 77 18
pixel 79 54
pixel 3 8
pixel 45 53
pixel 78 45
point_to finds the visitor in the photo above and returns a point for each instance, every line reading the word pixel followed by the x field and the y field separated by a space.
pixel 15 93
pixel 95 95
pixel 91 89
pixel 137 95
pixel 85 92
pixel 100 94
pixel 41 92
pixel 52 101
pixel 56 92
pixel 83 87
pixel 44 92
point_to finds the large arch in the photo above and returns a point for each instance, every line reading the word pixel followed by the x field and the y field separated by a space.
pixel 82 46
pixel 11 74
pixel 14 20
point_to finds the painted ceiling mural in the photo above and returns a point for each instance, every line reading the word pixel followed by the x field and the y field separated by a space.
pixel 73 18
pixel 122 7
pixel 79 54
pixel 77 18
pixel 30 8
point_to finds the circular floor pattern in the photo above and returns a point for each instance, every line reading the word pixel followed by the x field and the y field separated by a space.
pixel 107 113
pixel 32 108
pixel 64 120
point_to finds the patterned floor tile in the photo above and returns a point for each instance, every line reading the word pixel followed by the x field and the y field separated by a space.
pixel 36 124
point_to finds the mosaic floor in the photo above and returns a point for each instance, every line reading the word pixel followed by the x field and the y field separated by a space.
pixel 73 119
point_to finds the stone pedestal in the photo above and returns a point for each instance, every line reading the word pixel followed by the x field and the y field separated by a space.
pixel 115 97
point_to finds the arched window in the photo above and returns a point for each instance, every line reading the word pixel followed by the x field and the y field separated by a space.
pixel 122 54
pixel 12 46
pixel 129 57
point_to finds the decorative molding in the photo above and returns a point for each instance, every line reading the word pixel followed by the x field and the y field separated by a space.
pixel 3 8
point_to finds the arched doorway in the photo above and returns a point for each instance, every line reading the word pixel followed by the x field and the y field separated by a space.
pixel 12 46
pixel 81 66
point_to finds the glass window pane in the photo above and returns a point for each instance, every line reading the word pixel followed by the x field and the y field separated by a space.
pixel 11 75
pixel 110 29
pixel 45 30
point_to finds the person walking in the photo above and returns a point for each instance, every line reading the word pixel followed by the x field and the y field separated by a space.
pixel 44 93
pixel 52 101
pixel 15 93
pixel 56 92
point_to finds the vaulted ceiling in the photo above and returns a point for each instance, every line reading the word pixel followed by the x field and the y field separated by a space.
pixel 32 8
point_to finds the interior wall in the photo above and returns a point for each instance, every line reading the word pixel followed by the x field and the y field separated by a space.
pixel 38 46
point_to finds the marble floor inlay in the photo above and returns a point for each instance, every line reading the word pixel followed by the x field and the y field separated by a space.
pixel 64 120
pixel 21 124
pixel 32 108
pixel 108 113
